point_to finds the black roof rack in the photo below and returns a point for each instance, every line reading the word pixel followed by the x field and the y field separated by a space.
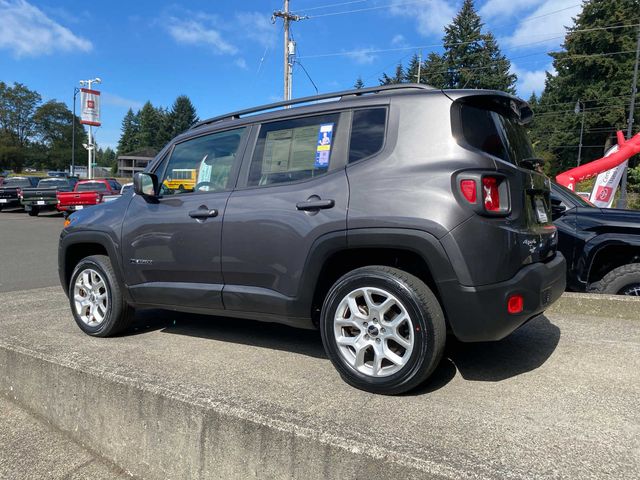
pixel 313 98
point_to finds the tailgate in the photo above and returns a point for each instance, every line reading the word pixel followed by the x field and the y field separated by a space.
pixel 84 198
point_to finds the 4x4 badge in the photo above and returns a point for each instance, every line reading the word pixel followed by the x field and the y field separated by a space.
pixel 140 261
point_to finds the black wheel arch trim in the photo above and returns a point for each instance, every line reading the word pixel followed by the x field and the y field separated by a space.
pixel 595 246
pixel 427 246
pixel 69 239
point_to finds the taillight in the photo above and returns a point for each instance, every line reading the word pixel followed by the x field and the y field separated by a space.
pixel 468 189
pixel 19 192
pixel 491 194
pixel 488 194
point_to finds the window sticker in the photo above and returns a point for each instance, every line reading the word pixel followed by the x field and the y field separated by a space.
pixel 323 148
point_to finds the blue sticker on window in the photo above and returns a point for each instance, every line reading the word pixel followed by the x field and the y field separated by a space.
pixel 323 149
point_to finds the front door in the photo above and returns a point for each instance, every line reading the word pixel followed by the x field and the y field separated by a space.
pixel 172 244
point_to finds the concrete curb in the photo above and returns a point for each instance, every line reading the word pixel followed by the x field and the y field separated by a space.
pixel 156 433
pixel 607 306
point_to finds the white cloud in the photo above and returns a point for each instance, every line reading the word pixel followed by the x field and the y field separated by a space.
pixel 506 8
pixel 399 41
pixel 241 63
pixel 530 81
pixel 199 31
pixel 541 27
pixel 431 15
pixel 256 26
pixel 28 31
pixel 118 101
pixel 362 56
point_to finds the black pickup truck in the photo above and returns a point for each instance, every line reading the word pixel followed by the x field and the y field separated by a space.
pixel 11 189
pixel 601 246
pixel 44 196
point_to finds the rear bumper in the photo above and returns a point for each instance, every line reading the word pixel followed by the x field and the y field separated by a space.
pixel 10 202
pixel 478 314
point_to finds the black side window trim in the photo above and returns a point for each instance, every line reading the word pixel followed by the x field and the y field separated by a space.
pixel 235 169
pixel 384 140
pixel 335 165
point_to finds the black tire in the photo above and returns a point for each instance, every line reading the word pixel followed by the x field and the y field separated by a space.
pixel 119 314
pixel 623 280
pixel 426 317
pixel 34 212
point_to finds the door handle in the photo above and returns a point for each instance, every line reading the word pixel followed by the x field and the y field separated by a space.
pixel 202 213
pixel 315 205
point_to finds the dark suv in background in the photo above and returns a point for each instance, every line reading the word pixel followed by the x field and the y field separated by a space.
pixel 385 218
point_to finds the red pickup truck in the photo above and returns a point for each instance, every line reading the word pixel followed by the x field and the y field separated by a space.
pixel 87 193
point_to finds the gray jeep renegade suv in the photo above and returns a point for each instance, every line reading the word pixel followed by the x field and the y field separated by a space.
pixel 384 217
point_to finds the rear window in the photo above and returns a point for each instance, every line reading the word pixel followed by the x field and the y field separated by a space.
pixel 367 133
pixel 16 182
pixel 496 134
pixel 91 187
pixel 52 183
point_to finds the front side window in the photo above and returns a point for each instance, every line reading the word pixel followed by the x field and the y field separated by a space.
pixel 367 133
pixel 202 164
pixel 293 150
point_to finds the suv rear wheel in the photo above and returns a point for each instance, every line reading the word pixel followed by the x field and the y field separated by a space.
pixel 97 303
pixel 383 329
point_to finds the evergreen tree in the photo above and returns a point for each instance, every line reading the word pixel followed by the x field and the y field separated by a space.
pixel 129 137
pixel 587 73
pixel 472 58
pixel 359 84
pixel 182 116
pixel 435 71
pixel 151 123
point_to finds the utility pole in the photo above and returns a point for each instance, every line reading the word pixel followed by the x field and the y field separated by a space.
pixel 419 65
pixel 622 201
pixel 580 108
pixel 76 90
pixel 289 46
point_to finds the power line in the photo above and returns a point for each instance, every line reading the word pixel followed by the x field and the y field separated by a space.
pixel 304 10
pixel 423 47
pixel 368 9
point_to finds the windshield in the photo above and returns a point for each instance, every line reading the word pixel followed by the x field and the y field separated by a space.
pixel 91 187
pixel 496 134
pixel 16 182
pixel 569 197
pixel 52 183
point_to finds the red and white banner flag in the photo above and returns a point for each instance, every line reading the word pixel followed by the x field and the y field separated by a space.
pixel 604 190
pixel 90 111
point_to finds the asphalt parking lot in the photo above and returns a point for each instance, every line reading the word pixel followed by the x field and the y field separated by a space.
pixel 29 249
pixel 556 399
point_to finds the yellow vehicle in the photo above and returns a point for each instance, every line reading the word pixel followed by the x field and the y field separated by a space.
pixel 181 179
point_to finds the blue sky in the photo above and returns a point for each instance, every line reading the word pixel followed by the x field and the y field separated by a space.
pixel 226 55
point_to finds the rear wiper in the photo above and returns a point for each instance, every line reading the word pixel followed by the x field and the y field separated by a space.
pixel 532 163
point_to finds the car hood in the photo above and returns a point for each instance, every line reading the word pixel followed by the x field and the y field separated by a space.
pixel 608 219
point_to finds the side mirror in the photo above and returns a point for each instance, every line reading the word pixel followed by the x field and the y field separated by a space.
pixel 557 208
pixel 145 184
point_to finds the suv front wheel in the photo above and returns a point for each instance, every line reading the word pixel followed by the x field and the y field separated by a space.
pixel 383 329
pixel 96 299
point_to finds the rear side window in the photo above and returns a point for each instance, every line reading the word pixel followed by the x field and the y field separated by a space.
pixel 367 133
pixel 293 150
pixel 495 134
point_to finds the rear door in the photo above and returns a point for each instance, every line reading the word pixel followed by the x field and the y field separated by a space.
pixel 292 190
pixel 172 244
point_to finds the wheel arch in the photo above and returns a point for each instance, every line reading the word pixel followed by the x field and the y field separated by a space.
pixel 413 251
pixel 610 251
pixel 76 246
